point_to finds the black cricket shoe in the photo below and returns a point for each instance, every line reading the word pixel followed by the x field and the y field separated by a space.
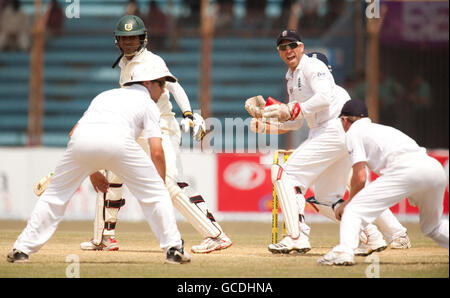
pixel 16 256
pixel 177 256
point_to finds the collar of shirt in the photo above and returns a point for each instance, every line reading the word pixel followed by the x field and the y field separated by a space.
pixel 140 88
pixel 303 60
pixel 136 59
pixel 365 120
pixel 361 121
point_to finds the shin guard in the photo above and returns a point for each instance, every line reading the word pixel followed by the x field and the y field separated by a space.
pixel 107 208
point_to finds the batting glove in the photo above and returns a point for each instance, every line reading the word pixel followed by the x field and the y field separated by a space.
pixel 198 132
pixel 187 122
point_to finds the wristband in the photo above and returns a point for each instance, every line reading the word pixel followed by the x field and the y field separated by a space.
pixel 188 114
pixel 295 111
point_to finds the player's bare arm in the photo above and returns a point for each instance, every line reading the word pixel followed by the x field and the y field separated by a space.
pixel 357 182
pixel 157 156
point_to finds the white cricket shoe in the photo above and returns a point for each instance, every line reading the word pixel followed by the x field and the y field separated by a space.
pixel 109 243
pixel 401 242
pixel 337 258
pixel 370 240
pixel 211 244
pixel 285 246
pixel 370 246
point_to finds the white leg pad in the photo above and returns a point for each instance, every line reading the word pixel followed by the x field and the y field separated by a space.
pixel 287 197
pixel 99 220
pixel 193 209
pixel 107 208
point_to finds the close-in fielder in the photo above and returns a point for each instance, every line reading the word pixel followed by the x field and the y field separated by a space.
pixel 322 160
pixel 105 138
pixel 131 39
pixel 387 223
pixel 404 169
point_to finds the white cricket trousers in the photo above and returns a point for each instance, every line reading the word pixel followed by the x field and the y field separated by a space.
pixel 91 149
pixel 322 161
pixel 171 138
pixel 416 176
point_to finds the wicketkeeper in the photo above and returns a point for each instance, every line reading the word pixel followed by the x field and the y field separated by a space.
pixel 322 161
pixel 131 40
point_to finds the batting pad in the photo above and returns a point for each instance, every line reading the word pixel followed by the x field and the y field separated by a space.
pixel 104 214
pixel 322 209
pixel 191 209
pixel 288 202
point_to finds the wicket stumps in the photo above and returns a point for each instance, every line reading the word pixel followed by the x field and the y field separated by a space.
pixel 284 154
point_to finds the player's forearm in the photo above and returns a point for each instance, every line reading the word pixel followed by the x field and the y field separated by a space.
pixel 358 180
pixel 159 161
pixel 180 96
pixel 355 187
pixel 157 156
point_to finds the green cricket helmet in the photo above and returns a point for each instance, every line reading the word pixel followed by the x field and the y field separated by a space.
pixel 131 25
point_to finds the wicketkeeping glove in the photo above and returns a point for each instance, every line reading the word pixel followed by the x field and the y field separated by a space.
pixel 283 112
pixel 255 106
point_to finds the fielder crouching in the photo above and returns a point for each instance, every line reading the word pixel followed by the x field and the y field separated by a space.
pixel 404 169
pixel 105 138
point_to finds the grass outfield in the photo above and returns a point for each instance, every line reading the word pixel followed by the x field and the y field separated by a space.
pixel 140 256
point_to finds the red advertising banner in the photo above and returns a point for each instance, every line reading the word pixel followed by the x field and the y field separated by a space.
pixel 244 184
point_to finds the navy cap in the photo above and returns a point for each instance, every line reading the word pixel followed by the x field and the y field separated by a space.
pixel 322 58
pixel 354 107
pixel 289 34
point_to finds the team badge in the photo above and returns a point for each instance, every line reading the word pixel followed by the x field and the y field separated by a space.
pixel 128 27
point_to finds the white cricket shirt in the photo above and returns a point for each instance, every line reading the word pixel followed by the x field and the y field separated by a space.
pixel 312 85
pixel 164 104
pixel 129 110
pixel 377 144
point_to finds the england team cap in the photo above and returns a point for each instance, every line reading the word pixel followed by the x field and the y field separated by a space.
pixel 354 107
pixel 289 34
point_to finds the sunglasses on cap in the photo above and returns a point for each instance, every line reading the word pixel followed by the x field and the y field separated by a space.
pixel 291 45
